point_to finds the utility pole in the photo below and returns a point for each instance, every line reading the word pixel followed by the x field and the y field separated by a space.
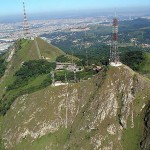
pixel 66 123
pixel 87 62
pixel 72 57
pixel 67 108
pixel 53 78
pixel 75 77
pixel 73 68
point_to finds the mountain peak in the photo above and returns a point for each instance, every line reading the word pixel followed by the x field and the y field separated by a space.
pixel 99 113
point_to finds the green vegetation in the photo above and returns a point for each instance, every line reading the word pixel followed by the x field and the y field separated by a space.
pixel 85 74
pixel 76 43
pixel 133 59
pixel 67 58
pixel 32 76
pixel 64 75
pixel 96 55
pixel 135 24
pixel 1 144
pixel 47 50
pixel 31 70
pixel 51 103
pixel 96 40
pixel 26 73
pixel 132 136
pixel 3 64
pixel 145 65
pixel 137 60
pixel 27 49
pixel 34 85
pixel 22 54
pixel 50 140
pixel 63 58
pixel 2 67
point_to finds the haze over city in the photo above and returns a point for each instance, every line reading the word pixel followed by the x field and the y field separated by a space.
pixel 12 10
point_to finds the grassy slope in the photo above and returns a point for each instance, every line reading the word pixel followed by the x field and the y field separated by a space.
pixel 132 136
pixel 26 53
pixel 138 61
pixel 72 58
pixel 145 65
pixel 20 56
pixel 48 50
pixel 58 137
pixel 61 136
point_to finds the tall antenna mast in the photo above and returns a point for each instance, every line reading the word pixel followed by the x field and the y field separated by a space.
pixel 75 77
pixel 87 62
pixel 66 121
pixel 72 57
pixel 114 54
pixel 26 30
pixel 73 67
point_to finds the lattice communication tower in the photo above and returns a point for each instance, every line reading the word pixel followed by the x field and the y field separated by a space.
pixel 26 30
pixel 114 54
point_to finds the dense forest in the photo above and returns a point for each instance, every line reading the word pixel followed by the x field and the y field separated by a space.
pixel 32 76
pixel 133 59
pixel 31 70
pixel 2 65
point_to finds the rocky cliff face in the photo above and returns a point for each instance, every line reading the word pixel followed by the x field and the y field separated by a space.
pixel 102 113
pixel 145 143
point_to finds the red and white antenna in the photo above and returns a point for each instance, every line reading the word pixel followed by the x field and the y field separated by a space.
pixel 114 54
pixel 26 30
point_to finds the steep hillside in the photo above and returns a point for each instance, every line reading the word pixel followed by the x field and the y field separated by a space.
pixel 23 51
pixel 102 113
pixel 145 143
pixel 48 51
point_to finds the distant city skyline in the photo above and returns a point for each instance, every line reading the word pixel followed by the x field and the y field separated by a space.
pixel 14 7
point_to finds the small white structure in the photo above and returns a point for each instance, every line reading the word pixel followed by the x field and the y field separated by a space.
pixel 58 83
pixel 67 66
pixel 115 64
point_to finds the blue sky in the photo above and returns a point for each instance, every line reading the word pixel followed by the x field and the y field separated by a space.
pixel 11 7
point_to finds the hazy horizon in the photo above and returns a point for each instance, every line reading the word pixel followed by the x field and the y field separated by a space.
pixel 11 10
pixel 135 11
pixel 15 7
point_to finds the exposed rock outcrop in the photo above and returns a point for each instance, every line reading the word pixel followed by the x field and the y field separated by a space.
pixel 145 143
pixel 103 113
